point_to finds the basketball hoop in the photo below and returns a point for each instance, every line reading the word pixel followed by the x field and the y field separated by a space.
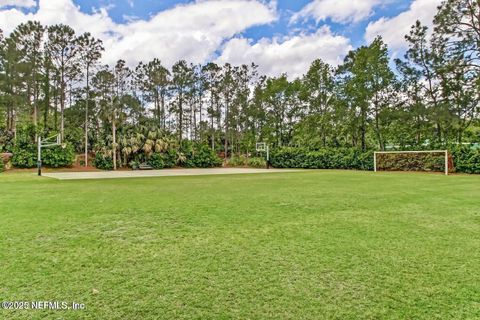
pixel 52 141
pixel 263 147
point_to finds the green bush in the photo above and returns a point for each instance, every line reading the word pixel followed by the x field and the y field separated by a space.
pixel 54 157
pixel 169 158
pixel 24 157
pixel 2 167
pixel 256 162
pixel 103 162
pixel 466 159
pixel 204 157
pixel 237 161
pixel 243 161
pixel 134 164
pixel 58 157
pixel 331 158
pixel 156 161
pixel 199 156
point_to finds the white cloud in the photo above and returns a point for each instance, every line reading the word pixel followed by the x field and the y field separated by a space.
pixel 60 11
pixel 195 32
pixel 291 54
pixel 18 3
pixel 393 30
pixel 341 11
pixel 192 32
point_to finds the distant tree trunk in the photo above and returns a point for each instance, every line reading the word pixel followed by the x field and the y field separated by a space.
pixel 114 142
pixel 180 117
pixel 55 98
pixel 194 124
pixel 377 128
pixel 11 113
pixel 34 102
pixel 363 131
pixel 62 107
pixel 47 97
pixel 157 108
pixel 212 129
pixel 86 117
pixel 226 132
pixel 9 116
pixel 200 116
pixel 13 118
pixel 164 120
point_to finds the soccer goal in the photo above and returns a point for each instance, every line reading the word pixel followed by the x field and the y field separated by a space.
pixel 432 161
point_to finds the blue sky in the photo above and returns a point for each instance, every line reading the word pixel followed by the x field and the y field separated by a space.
pixel 279 35
pixel 121 10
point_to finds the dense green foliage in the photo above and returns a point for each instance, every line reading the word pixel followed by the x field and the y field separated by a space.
pixel 58 157
pixel 306 245
pixel 256 162
pixel 53 157
pixel 466 160
pixel 2 166
pixel 198 156
pixel 103 162
pixel 427 98
pixel 156 161
pixel 24 157
pixel 331 158
pixel 244 161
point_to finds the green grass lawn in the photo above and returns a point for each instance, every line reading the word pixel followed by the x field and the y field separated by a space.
pixel 309 245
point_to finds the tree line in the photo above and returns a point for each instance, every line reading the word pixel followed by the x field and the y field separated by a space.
pixel 52 81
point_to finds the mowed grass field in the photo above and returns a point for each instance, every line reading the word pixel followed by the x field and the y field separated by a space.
pixel 306 245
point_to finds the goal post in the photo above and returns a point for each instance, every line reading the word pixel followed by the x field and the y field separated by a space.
pixel 425 160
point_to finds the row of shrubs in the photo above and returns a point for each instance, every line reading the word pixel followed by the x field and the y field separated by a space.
pixel 244 161
pixel 329 158
pixel 189 155
pixel 54 157
pixel 464 158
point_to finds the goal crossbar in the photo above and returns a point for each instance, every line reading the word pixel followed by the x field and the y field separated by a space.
pixel 445 152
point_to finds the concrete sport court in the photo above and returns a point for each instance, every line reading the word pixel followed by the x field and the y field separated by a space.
pixel 157 173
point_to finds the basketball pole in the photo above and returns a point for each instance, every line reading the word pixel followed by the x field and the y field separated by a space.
pixel 446 162
pixel 39 155
pixel 268 157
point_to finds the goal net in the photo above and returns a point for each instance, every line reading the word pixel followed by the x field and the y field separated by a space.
pixel 432 161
